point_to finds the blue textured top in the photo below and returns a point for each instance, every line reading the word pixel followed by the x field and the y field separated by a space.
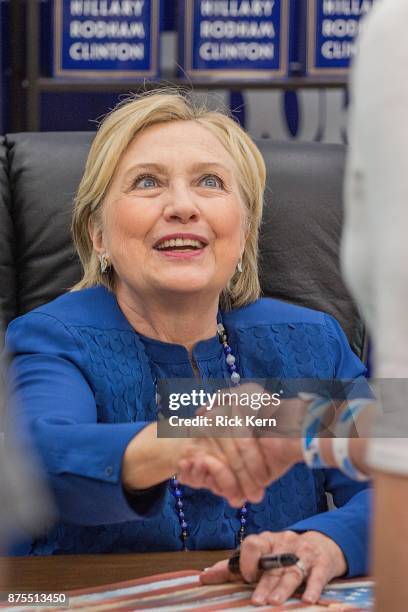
pixel 86 379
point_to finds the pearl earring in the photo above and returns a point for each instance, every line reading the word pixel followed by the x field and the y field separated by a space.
pixel 239 266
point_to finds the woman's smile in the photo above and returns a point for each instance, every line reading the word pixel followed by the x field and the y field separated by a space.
pixel 181 246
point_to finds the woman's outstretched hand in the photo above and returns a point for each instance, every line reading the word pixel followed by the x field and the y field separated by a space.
pixel 242 468
pixel 238 463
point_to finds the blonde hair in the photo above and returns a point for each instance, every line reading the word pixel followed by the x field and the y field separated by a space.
pixel 114 135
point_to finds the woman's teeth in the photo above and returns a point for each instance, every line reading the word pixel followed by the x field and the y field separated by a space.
pixel 180 243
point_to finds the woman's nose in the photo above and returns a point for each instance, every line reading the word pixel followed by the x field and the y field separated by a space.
pixel 181 205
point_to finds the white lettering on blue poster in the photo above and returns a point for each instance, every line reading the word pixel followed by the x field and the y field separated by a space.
pixel 106 38
pixel 234 38
pixel 332 28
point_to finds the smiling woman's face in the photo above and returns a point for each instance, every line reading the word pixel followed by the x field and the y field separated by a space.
pixel 173 219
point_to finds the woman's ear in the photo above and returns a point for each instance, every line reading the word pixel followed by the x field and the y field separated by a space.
pixel 96 235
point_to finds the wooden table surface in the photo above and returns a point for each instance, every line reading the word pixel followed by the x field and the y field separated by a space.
pixel 65 572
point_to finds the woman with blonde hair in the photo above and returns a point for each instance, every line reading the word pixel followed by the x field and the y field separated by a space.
pixel 166 225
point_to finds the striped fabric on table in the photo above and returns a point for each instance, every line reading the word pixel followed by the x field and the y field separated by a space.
pixel 181 591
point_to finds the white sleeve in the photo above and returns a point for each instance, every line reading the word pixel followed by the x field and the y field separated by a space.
pixel 375 242
pixel 388 455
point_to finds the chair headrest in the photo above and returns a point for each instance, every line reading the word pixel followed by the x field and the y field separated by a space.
pixel 301 230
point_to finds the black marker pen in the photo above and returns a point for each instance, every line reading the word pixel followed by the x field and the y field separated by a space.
pixel 266 562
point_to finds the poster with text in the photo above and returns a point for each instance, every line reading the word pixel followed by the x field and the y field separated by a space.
pixel 234 39
pixel 328 34
pixel 106 38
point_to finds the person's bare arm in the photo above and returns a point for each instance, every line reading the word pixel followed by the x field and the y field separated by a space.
pixel 390 538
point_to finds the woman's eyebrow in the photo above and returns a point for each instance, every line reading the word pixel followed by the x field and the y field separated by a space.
pixel 202 166
pixel 145 167
pixel 162 168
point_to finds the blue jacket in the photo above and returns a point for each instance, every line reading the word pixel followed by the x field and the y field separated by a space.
pixel 85 379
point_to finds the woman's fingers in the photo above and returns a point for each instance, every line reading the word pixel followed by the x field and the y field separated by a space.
pixel 266 584
pixel 251 452
pixel 317 564
pixel 252 549
pixel 225 480
pixel 216 464
pixel 241 452
pixel 197 476
pixel 233 467
pixel 316 582
pixel 192 473
pixel 218 573
pixel 245 461
pixel 210 472
pixel 276 586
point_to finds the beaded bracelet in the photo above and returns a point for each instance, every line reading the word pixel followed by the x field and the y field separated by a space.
pixel 311 428
pixel 341 443
pixel 340 448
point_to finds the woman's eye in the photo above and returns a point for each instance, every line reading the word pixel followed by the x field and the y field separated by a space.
pixel 145 182
pixel 212 181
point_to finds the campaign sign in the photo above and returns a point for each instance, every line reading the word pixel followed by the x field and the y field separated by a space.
pixel 106 38
pixel 331 28
pixel 241 39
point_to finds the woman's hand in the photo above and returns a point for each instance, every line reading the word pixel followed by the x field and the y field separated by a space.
pixel 321 558
pixel 227 459
pixel 224 461
pixel 149 460
pixel 234 468
pixel 241 479
pixel 239 468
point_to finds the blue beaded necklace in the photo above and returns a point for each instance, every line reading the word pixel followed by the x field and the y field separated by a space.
pixel 175 486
